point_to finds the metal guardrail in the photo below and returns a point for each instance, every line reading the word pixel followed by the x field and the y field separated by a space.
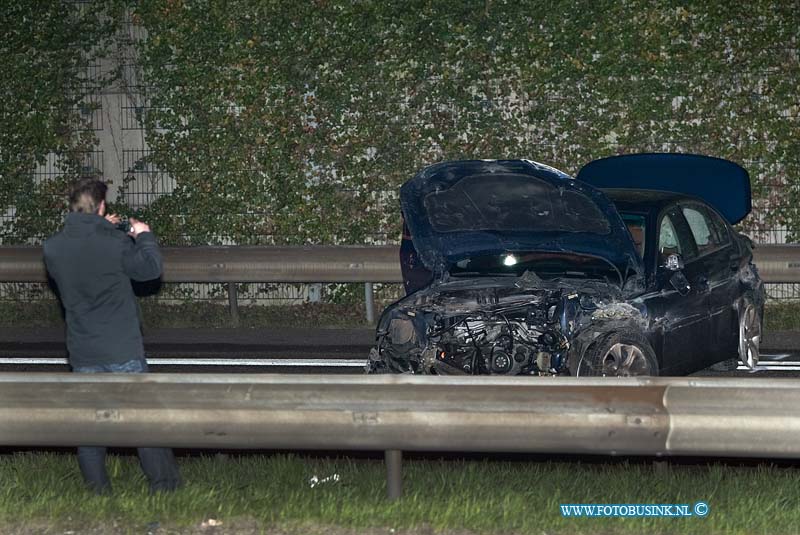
pixel 776 263
pixel 614 416
pixel 237 264
pixel 313 264
pixel 241 264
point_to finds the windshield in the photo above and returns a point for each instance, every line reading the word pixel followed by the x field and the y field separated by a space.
pixel 545 265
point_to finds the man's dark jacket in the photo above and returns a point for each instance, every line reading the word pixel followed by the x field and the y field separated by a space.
pixel 92 264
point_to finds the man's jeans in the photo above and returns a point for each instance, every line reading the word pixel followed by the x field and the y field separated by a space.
pixel 158 464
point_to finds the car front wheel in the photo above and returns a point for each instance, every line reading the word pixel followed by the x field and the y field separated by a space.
pixel 623 353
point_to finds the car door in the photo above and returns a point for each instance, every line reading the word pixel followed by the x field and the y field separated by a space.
pixel 719 262
pixel 682 316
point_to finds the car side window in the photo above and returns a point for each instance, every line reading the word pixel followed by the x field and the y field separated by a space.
pixel 668 242
pixel 636 226
pixel 720 227
pixel 704 230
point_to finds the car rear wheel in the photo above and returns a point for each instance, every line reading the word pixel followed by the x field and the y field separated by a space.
pixel 749 335
pixel 619 354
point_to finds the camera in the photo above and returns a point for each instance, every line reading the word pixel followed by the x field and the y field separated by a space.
pixel 124 225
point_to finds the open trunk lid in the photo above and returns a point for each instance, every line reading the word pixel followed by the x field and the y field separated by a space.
pixel 721 183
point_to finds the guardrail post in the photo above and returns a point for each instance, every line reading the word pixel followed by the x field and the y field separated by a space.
pixel 233 303
pixel 394 473
pixel 370 302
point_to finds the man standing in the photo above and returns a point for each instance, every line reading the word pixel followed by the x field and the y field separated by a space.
pixel 92 264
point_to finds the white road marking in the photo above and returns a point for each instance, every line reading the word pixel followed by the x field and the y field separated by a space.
pixel 776 356
pixel 790 367
pixel 294 363
pixel 771 362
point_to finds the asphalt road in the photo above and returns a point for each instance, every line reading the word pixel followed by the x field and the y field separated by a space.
pixel 287 350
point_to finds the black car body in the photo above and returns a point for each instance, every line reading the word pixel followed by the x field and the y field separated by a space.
pixel 516 268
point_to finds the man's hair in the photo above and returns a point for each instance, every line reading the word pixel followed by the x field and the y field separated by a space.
pixel 87 195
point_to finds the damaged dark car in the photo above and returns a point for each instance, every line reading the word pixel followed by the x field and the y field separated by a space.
pixel 516 268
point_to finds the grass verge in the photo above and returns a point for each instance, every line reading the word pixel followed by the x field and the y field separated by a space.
pixel 204 314
pixel 211 315
pixel 43 492
pixel 782 317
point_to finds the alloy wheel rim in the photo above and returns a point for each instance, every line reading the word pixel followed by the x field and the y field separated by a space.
pixel 625 360
pixel 749 337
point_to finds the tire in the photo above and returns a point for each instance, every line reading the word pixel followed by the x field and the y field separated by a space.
pixel 620 353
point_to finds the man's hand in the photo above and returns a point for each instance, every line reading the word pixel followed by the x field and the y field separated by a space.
pixel 113 218
pixel 137 227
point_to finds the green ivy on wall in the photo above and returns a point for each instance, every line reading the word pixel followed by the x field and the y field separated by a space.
pixel 296 122
pixel 45 51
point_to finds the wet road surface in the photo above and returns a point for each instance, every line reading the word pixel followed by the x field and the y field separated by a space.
pixel 289 350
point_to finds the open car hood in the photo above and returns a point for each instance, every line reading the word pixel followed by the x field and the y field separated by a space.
pixel 721 183
pixel 455 210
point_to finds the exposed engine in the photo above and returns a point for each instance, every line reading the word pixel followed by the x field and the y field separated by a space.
pixel 487 334
pixel 495 345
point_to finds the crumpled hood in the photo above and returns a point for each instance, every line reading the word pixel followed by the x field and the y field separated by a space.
pixel 460 209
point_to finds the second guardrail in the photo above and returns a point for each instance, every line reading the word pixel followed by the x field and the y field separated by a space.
pixel 611 416
pixel 315 264
pixel 776 263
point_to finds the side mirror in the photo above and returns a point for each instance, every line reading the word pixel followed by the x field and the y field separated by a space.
pixel 679 281
pixel 674 262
